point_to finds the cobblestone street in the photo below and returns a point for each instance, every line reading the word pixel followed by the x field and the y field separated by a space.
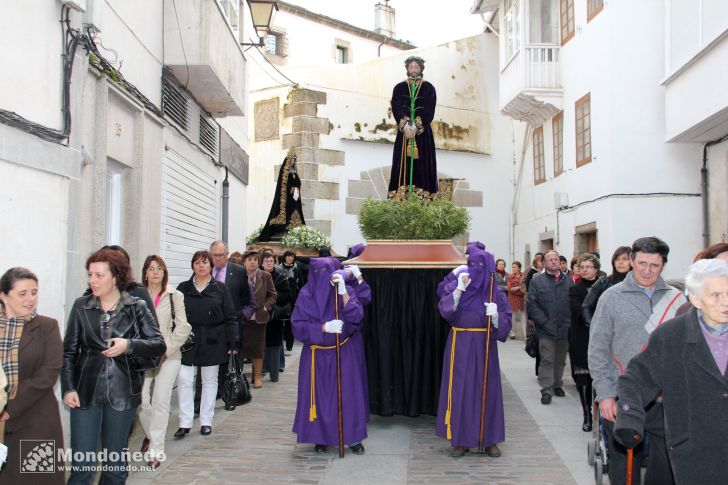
pixel 254 444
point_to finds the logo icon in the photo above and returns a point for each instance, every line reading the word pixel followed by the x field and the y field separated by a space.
pixel 37 456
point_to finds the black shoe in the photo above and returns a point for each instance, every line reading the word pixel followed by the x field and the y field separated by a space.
pixel 357 449
pixel 559 392
pixel 459 451
pixel 282 370
pixel 205 430
pixel 493 451
pixel 229 407
pixel 545 398
pixel 320 448
pixel 273 379
pixel 181 432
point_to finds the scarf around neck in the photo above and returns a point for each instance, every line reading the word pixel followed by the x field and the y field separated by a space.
pixel 11 329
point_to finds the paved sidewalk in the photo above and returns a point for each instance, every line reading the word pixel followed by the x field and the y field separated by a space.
pixel 254 444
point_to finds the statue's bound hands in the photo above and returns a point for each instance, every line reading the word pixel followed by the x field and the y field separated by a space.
pixel 409 131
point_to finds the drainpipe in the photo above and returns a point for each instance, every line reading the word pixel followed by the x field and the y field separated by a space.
pixel 704 189
pixel 379 48
pixel 518 170
pixel 225 206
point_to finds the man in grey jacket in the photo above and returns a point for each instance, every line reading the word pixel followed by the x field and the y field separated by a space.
pixel 548 307
pixel 625 316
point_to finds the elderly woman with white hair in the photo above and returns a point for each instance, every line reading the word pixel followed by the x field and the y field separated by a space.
pixel 685 362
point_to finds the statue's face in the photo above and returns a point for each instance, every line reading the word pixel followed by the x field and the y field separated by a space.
pixel 413 69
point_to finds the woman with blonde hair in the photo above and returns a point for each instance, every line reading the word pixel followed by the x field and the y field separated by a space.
pixel 170 307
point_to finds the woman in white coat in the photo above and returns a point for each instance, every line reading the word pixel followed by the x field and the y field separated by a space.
pixel 170 307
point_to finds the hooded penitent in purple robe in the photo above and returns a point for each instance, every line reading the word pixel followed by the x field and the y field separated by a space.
pixel 453 275
pixel 364 294
pixel 461 390
pixel 357 249
pixel 316 418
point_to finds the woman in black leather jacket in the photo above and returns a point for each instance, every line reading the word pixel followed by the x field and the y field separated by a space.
pixel 110 335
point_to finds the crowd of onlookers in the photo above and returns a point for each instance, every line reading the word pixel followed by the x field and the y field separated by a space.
pixel 653 357
pixel 128 343
pixel 604 323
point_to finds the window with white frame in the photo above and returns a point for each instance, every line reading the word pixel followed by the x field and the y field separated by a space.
pixel 114 193
pixel 275 43
pixel 692 26
pixel 543 22
pixel 511 28
pixel 342 54
pixel 231 9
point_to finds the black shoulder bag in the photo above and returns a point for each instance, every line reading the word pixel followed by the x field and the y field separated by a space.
pixel 190 342
pixel 140 363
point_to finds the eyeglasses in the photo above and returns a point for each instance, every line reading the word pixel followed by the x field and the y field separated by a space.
pixel 584 266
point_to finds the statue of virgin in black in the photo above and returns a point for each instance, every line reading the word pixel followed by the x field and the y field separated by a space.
pixel 286 212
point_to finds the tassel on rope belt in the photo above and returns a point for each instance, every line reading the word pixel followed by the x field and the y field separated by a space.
pixel 312 408
pixel 455 331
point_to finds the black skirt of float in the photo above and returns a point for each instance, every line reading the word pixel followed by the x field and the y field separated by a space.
pixel 405 338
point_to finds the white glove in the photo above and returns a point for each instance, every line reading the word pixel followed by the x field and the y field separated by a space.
pixel 333 326
pixel 491 310
pixel 339 281
pixel 461 283
pixel 295 193
pixel 3 453
pixel 355 271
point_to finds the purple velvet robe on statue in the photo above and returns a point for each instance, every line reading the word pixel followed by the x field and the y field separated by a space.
pixel 467 385
pixel 314 307
pixel 424 175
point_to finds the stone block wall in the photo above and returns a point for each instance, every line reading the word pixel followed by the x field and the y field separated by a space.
pixel 306 131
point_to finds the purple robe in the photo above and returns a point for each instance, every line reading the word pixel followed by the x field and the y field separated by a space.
pixel 309 315
pixel 467 383
pixel 452 276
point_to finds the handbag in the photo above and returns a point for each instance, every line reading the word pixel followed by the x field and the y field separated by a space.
pixel 531 341
pixel 235 388
pixel 190 342
pixel 281 312
pixel 140 363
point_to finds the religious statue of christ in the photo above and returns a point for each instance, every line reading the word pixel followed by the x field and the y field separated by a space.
pixel 414 168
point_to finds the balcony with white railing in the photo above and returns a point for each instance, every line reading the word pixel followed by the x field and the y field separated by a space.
pixel 530 77
pixel 203 52
pixel 530 84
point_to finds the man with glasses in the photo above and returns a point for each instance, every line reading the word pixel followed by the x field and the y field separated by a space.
pixel 626 315
pixel 548 307
pixel 235 278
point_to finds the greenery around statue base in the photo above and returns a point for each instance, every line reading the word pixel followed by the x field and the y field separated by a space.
pixel 412 218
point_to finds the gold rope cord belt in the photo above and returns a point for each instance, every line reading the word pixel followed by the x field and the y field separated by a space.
pixel 312 409
pixel 455 331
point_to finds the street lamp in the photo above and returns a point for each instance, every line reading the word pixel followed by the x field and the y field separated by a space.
pixel 261 13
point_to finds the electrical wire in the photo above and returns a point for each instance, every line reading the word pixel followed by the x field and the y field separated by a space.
pixel 626 195
pixel 294 83
pixel 182 44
